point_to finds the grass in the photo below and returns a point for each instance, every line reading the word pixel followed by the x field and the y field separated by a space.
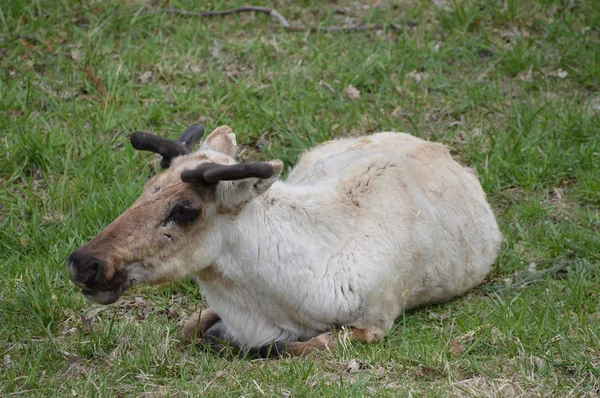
pixel 512 87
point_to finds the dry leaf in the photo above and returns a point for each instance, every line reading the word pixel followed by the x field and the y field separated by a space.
pixel 352 92
pixel 539 362
pixel 23 242
pixel 456 347
pixel 382 371
pixel 445 5
pixel 173 313
pixel 556 196
pixel 7 360
pixel 355 365
pixel 76 367
pixel 556 338
pixel 352 366
pixel 70 331
pixel 145 76
pixel 195 68
pixel 360 6
pixel 440 317
pixel 526 76
pixel 397 112
pixel 428 372
pixel 116 353
pixel 216 50
pixel 219 373
pixel 75 55
pixel 561 74
pixel 26 43
pixel 457 374
pixel 594 104
pixel 87 320
pixel 416 76
pixel 461 137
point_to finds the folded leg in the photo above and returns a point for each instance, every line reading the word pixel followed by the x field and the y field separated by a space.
pixel 197 324
pixel 325 341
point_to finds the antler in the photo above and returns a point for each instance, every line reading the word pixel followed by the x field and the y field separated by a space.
pixel 165 147
pixel 211 173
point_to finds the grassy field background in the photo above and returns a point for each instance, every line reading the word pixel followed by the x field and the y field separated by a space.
pixel 512 87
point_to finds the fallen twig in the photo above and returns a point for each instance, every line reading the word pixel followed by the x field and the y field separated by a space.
pixel 557 268
pixel 280 18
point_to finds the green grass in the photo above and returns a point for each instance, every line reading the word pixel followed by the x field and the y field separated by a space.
pixel 512 87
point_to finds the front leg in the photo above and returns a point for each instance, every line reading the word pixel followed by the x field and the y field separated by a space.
pixel 209 326
pixel 221 340
pixel 324 341
pixel 197 324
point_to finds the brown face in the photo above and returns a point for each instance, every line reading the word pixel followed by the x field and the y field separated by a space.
pixel 158 239
pixel 152 230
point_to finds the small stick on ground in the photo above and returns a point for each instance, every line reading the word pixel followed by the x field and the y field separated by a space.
pixel 360 27
pixel 525 279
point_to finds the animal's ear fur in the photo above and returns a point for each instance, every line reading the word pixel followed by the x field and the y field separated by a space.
pixel 232 194
pixel 222 139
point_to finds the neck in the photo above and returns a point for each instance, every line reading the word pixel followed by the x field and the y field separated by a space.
pixel 288 226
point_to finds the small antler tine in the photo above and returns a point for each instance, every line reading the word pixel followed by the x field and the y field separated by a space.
pixel 191 136
pixel 168 149
pixel 165 163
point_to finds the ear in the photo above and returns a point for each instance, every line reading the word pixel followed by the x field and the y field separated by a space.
pixel 232 194
pixel 222 139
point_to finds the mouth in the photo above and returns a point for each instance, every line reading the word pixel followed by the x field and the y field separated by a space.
pixel 108 294
pixel 111 293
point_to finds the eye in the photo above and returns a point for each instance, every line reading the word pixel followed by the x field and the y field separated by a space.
pixel 182 213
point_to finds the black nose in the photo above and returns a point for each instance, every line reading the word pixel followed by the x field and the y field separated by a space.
pixel 86 270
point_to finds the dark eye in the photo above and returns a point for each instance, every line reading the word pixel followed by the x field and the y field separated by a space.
pixel 182 213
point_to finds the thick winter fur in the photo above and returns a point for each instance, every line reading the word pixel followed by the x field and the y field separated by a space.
pixel 362 230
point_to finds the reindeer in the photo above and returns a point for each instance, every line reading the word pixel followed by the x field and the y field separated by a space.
pixel 360 231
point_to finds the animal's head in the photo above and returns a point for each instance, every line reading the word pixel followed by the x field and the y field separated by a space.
pixel 169 232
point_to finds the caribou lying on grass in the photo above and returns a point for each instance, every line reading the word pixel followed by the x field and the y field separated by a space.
pixel 361 230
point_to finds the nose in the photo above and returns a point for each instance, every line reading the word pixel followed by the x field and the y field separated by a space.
pixel 85 270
